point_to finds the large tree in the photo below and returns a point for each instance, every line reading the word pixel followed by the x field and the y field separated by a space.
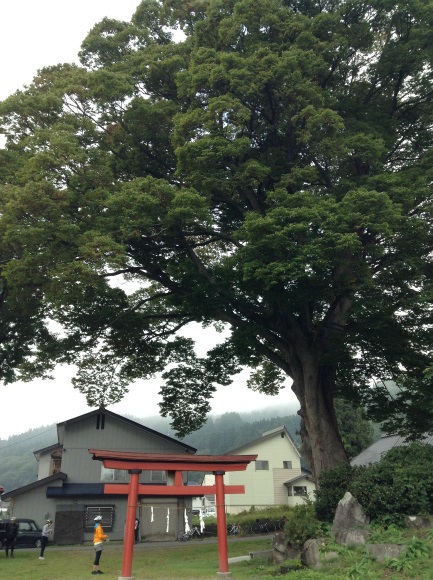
pixel 270 171
pixel 23 311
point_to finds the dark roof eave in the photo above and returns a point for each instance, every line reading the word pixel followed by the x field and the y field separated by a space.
pixel 40 482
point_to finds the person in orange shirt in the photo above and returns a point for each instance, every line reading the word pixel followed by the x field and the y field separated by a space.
pixel 98 538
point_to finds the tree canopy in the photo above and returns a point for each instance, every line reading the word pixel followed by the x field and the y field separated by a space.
pixel 269 170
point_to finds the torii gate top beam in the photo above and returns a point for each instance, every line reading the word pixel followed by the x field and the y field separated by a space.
pixel 171 462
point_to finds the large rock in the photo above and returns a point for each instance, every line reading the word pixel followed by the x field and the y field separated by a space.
pixel 310 555
pixel 350 522
pixel 352 537
pixel 279 548
pixel 382 552
pixel 418 522
pixel 282 549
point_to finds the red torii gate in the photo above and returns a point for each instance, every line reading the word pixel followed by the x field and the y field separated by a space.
pixel 135 463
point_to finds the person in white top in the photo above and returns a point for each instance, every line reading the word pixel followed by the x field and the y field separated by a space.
pixel 47 532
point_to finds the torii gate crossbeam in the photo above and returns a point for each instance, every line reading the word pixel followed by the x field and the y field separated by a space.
pixel 135 463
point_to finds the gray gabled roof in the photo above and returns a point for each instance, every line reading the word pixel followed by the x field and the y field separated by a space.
pixel 298 478
pixel 266 435
pixel 379 448
pixel 45 450
pixel 63 424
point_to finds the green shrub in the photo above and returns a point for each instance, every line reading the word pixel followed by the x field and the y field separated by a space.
pixel 333 485
pixel 302 524
pixel 386 534
pixel 399 484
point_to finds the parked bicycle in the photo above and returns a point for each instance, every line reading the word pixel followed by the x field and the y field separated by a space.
pixel 194 532
pixel 281 523
pixel 265 527
pixel 234 529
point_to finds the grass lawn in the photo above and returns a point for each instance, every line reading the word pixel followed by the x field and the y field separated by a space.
pixel 193 560
pixel 199 561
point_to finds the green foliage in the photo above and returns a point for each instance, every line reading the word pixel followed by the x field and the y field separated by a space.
pixel 270 172
pixel 98 381
pixel 302 524
pixel 357 433
pixel 398 485
pixel 333 485
pixel 385 532
pixel 416 549
pixel 412 405
pixel 198 560
pixel 361 568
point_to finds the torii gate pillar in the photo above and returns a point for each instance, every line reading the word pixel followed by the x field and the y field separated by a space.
pixel 131 510
pixel 221 525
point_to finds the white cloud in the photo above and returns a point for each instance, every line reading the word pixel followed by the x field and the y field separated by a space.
pixel 29 405
pixel 48 32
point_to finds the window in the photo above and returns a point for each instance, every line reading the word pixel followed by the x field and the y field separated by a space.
pixel 56 465
pixel 299 490
pixel 287 464
pixel 262 465
pixel 158 477
pixel 113 475
pixel 100 421
pixel 107 513
pixel 27 527
pixel 56 461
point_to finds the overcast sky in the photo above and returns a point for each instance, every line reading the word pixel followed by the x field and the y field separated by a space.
pixel 47 32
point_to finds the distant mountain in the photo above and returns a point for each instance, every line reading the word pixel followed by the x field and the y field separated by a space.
pixel 18 465
pixel 242 427
pixel 220 434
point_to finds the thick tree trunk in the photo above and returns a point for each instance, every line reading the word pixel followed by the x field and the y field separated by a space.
pixel 321 442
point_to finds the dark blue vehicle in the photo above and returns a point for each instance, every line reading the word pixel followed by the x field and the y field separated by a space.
pixel 29 534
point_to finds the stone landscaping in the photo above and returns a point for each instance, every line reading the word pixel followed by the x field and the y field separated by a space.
pixel 351 527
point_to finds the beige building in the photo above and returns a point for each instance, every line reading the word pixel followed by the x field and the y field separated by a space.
pixel 275 478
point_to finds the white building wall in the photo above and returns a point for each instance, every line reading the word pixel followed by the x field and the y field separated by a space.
pixel 264 487
pixel 280 490
pixel 299 499
pixel 44 465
